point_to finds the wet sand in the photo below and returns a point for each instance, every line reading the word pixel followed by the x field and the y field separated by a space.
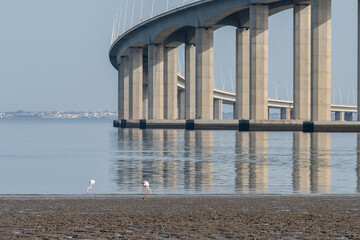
pixel 180 217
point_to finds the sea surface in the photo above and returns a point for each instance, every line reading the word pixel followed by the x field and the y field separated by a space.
pixel 61 156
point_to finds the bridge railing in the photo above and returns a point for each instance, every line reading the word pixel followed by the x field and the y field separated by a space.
pixel 119 22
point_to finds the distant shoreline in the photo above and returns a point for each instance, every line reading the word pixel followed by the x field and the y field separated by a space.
pixel 58 115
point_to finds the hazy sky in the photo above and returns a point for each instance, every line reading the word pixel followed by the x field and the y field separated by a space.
pixel 54 54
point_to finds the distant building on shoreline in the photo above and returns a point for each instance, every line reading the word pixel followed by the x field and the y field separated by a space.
pixel 57 115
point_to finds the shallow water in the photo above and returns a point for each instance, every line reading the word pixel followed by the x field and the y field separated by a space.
pixel 60 156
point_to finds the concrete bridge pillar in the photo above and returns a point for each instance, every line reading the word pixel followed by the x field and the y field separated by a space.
pixel 204 73
pixel 285 113
pixel 145 101
pixel 156 81
pixel 339 116
pixel 321 60
pixel 135 82
pixel 170 98
pixel 242 110
pixel 218 109
pixel 190 82
pixel 259 41
pixel 348 116
pixel 302 62
pixel 181 104
pixel 123 88
pixel 234 111
pixel 145 90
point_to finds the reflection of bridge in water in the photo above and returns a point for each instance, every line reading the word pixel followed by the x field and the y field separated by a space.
pixel 176 161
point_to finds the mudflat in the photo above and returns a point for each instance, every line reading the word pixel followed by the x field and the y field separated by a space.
pixel 180 217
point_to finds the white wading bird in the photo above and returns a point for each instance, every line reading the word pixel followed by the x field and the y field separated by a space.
pixel 91 188
pixel 146 187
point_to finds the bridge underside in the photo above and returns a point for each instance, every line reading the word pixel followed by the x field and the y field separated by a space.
pixel 150 47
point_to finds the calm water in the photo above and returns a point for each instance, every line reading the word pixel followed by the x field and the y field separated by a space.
pixel 60 156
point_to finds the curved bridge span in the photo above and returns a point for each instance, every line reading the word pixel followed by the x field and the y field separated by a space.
pixel 342 112
pixel 146 58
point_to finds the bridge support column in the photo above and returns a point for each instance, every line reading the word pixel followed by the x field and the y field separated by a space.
pixel 145 100
pixel 135 82
pixel 123 88
pixel 285 113
pixel 145 89
pixel 242 110
pixel 181 104
pixel 234 111
pixel 321 60
pixel 170 87
pixel 156 81
pixel 302 62
pixel 339 116
pixel 204 73
pixel 348 116
pixel 259 41
pixel 190 81
pixel 218 109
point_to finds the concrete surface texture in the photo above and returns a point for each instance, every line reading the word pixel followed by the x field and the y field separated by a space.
pixel 302 62
pixel 259 61
pixel 321 60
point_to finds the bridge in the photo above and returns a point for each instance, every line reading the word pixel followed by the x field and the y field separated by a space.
pixel 150 87
pixel 342 112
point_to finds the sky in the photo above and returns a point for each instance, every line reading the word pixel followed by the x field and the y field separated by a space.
pixel 54 54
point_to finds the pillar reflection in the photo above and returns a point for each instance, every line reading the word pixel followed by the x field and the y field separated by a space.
pixel 170 163
pixel 258 174
pixel 189 164
pixel 301 166
pixel 320 163
pixel 135 164
pixel 242 169
pixel 157 138
pixel 204 164
pixel 128 165
pixel 122 146
pixel 147 148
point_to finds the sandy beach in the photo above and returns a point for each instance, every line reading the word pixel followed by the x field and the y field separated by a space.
pixel 180 217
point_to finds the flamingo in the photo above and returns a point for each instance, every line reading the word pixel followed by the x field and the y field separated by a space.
pixel 91 188
pixel 146 187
